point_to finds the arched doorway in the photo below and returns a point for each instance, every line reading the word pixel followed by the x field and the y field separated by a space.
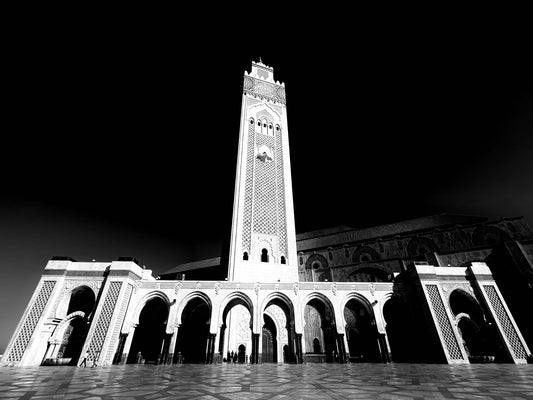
pixel 362 333
pixel 193 332
pixel 147 342
pixel 278 313
pixel 81 304
pixel 236 330
pixel 319 328
pixel 270 342
pixel 479 335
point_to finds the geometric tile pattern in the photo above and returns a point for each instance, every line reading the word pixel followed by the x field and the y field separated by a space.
pixel 271 381
pixel 104 320
pixel 505 321
pixel 444 323
pixel 118 325
pixel 25 333
pixel 282 223
pixel 264 201
pixel 247 218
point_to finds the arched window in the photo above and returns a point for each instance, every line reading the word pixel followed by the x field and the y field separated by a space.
pixel 330 255
pixel 251 121
pixel 264 255
pixel 301 260
pixel 283 261
pixel 245 256
pixel 346 252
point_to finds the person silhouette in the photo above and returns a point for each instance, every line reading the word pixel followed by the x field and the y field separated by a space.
pixel 84 360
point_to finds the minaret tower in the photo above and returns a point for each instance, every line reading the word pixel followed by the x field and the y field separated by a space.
pixel 263 238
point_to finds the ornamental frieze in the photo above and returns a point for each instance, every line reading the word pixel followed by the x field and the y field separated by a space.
pixel 264 90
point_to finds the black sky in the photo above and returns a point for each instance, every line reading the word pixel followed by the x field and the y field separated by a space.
pixel 121 139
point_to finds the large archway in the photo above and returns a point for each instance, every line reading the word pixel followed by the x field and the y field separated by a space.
pixel 191 344
pixel 235 341
pixel 81 305
pixel 147 343
pixel 361 332
pixel 278 317
pixel 320 331
pixel 479 335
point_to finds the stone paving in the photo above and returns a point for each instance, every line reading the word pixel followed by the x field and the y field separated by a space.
pixel 270 381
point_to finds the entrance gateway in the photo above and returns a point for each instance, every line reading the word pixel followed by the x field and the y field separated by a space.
pixel 266 310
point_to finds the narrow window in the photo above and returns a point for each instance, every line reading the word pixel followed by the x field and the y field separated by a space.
pixel 251 121
pixel 264 255
pixel 330 255
pixel 245 256
pixel 347 253
pixel 301 260
pixel 283 260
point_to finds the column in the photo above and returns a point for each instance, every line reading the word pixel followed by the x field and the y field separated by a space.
pixel 211 339
pixel 342 349
pixel 299 353
pixel 127 345
pixel 255 348
pixel 172 346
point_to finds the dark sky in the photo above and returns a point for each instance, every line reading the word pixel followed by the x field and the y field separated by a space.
pixel 122 142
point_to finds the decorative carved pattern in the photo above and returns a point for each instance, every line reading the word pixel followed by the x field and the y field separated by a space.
pixel 264 197
pixel 264 90
pixel 243 325
pixel 118 324
pixel 248 190
pixel 280 319
pixel 177 287
pixel 280 197
pixel 218 286
pixel 198 285
pixel 450 341
pixel 102 325
pixel 295 287
pixel 448 288
pixel 334 288
pixel 26 331
pixel 137 285
pixel 505 322
pixel 372 288
pixel 257 287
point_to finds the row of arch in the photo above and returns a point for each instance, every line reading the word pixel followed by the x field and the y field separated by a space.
pixel 265 256
pixel 417 247
pixel 277 341
pixel 264 126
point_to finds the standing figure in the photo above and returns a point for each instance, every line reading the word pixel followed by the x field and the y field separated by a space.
pixel 84 360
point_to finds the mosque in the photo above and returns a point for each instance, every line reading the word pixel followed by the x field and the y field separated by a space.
pixel 446 288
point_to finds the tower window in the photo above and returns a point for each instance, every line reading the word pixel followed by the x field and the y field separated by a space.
pixel 277 127
pixel 251 121
pixel 301 260
pixel 264 255
pixel 258 123
pixel 330 255
pixel 283 261
pixel 245 256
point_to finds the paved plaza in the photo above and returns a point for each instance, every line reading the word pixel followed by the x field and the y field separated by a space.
pixel 269 381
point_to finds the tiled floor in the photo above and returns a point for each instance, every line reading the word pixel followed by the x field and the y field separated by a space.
pixel 268 381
